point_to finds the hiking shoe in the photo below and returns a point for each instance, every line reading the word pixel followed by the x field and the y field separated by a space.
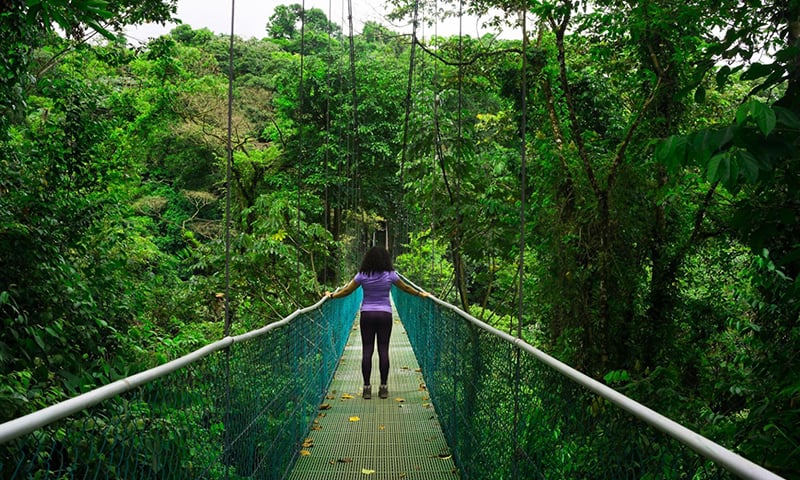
pixel 383 391
pixel 367 392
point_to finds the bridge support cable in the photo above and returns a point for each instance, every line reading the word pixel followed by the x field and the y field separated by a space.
pixel 354 132
pixel 571 426
pixel 436 268
pixel 328 83
pixel 301 149
pixel 522 202
pixel 170 421
pixel 412 55
pixel 228 168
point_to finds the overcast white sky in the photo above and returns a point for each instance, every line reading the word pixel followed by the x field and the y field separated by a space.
pixel 251 17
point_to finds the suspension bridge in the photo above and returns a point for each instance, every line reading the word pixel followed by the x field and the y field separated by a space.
pixel 466 401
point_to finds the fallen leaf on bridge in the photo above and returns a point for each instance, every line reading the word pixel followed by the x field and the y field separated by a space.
pixel 325 406
pixel 347 396
pixel 354 419
pixel 367 471
pixel 304 453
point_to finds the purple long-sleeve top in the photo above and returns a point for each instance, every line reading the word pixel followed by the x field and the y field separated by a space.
pixel 376 290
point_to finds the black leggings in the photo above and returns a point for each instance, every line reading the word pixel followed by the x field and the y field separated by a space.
pixel 375 324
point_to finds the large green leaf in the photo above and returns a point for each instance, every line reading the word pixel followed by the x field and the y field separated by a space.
pixel 719 168
pixel 671 152
pixel 760 113
pixel 757 70
pixel 748 165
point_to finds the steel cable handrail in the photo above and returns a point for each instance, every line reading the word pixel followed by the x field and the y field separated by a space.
pixel 709 449
pixel 33 421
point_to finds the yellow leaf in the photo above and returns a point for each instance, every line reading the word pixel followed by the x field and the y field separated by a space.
pixel 354 419
pixel 304 453
pixel 400 400
pixel 280 235
pixel 346 396
pixel 367 471
pixel 325 406
pixel 381 427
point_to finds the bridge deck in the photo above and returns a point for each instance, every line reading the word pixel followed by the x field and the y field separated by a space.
pixel 377 439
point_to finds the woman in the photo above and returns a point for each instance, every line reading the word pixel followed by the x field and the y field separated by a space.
pixel 376 276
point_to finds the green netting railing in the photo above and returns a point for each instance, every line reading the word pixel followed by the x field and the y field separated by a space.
pixel 237 408
pixel 509 411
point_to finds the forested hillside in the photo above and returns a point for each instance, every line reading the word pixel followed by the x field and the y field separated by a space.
pixel 662 207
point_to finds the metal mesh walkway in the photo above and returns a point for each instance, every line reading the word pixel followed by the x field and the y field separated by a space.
pixel 377 439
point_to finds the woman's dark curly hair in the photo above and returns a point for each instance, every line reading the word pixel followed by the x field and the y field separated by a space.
pixel 376 260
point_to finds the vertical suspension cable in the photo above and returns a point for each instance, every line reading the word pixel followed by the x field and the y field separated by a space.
pixel 460 78
pixel 301 150
pixel 523 172
pixel 435 90
pixel 408 88
pixel 342 198
pixel 350 198
pixel 404 215
pixel 458 258
pixel 521 273
pixel 328 225
pixel 355 172
pixel 228 168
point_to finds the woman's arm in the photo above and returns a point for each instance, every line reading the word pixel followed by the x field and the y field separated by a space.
pixel 345 291
pixel 408 289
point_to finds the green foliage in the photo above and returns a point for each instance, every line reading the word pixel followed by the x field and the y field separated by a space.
pixel 425 262
pixel 661 239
